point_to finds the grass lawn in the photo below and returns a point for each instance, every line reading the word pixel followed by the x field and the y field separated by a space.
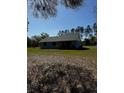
pixel 90 53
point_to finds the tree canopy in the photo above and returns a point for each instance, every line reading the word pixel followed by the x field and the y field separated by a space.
pixel 86 32
pixel 48 8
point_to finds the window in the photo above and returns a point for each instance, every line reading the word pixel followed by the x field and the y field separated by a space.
pixel 44 43
pixel 54 43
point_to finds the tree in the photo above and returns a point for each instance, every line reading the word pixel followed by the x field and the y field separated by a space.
pixel 44 35
pixel 35 40
pixel 43 8
pixel 82 31
pixel 78 29
pixel 72 30
pixel 34 43
pixel 48 8
pixel 95 28
pixel 66 31
pixel 27 25
pixel 63 32
pixel 88 31
pixel 29 42
pixel 93 40
pixel 60 33
pixel 72 3
pixel 37 37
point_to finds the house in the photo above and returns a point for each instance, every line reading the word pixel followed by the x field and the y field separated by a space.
pixel 66 41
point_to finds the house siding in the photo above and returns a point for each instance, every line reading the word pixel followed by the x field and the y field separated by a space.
pixel 61 45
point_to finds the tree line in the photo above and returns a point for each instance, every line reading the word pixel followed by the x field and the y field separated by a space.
pixel 86 32
pixel 88 35
pixel 34 40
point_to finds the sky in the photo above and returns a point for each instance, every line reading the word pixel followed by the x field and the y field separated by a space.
pixel 65 19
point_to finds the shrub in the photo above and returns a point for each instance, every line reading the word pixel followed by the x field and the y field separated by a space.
pixel 60 78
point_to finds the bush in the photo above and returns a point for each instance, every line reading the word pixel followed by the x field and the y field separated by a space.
pixel 60 78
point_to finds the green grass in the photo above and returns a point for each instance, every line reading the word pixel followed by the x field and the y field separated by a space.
pixel 91 52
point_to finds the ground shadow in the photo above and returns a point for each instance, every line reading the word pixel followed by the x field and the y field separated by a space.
pixel 83 48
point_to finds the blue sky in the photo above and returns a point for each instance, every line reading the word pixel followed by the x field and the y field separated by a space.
pixel 65 19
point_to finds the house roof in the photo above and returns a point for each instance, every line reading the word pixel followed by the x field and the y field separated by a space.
pixel 66 37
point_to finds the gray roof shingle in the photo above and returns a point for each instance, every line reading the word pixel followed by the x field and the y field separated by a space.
pixel 66 37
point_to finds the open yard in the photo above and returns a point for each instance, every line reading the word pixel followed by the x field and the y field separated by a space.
pixel 90 52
